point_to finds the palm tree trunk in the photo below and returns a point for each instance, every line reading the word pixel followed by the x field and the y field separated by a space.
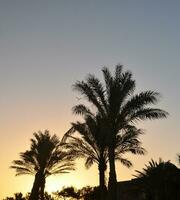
pixel 35 189
pixel 42 188
pixel 101 178
pixel 112 185
pixel 102 186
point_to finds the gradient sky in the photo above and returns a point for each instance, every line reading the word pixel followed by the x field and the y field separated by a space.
pixel 45 46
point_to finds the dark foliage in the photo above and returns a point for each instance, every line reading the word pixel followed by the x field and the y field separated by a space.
pixel 161 180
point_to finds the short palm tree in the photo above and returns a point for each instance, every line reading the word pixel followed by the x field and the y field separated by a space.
pixel 91 145
pixel 119 107
pixel 161 180
pixel 46 157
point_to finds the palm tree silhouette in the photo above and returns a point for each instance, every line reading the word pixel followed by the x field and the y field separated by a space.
pixel 46 157
pixel 161 180
pixel 91 144
pixel 119 107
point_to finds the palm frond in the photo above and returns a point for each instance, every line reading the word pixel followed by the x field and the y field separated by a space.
pixel 108 79
pixel 140 100
pixel 148 113
pixel 81 110
pixel 98 88
pixel 118 72
pixel 89 162
pixel 46 153
pixel 67 134
pixel 124 161
pixel 88 93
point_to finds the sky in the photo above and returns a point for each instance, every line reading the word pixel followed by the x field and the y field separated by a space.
pixel 46 46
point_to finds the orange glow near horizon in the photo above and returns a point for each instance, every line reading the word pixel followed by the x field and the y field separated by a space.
pixel 46 46
pixel 24 183
pixel 81 176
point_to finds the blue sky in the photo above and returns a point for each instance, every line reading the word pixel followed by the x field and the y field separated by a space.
pixel 45 46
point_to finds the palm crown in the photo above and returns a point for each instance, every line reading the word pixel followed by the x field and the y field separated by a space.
pixel 115 100
pixel 45 154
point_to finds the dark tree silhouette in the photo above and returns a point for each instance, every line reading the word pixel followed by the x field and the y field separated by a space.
pixel 89 193
pixel 68 192
pixel 17 196
pixel 46 157
pixel 119 107
pixel 85 193
pixel 91 145
pixel 48 196
pixel 161 180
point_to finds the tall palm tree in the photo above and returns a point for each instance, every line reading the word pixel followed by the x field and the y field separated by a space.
pixel 46 157
pixel 91 145
pixel 119 107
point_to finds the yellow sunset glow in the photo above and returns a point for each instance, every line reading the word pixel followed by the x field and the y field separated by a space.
pixel 47 46
pixel 54 184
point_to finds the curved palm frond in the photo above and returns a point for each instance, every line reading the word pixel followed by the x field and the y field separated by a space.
pixel 88 93
pixel 128 141
pixel 124 161
pixel 98 89
pixel 147 113
pixel 83 149
pixel 81 110
pixel 89 162
pixel 140 100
